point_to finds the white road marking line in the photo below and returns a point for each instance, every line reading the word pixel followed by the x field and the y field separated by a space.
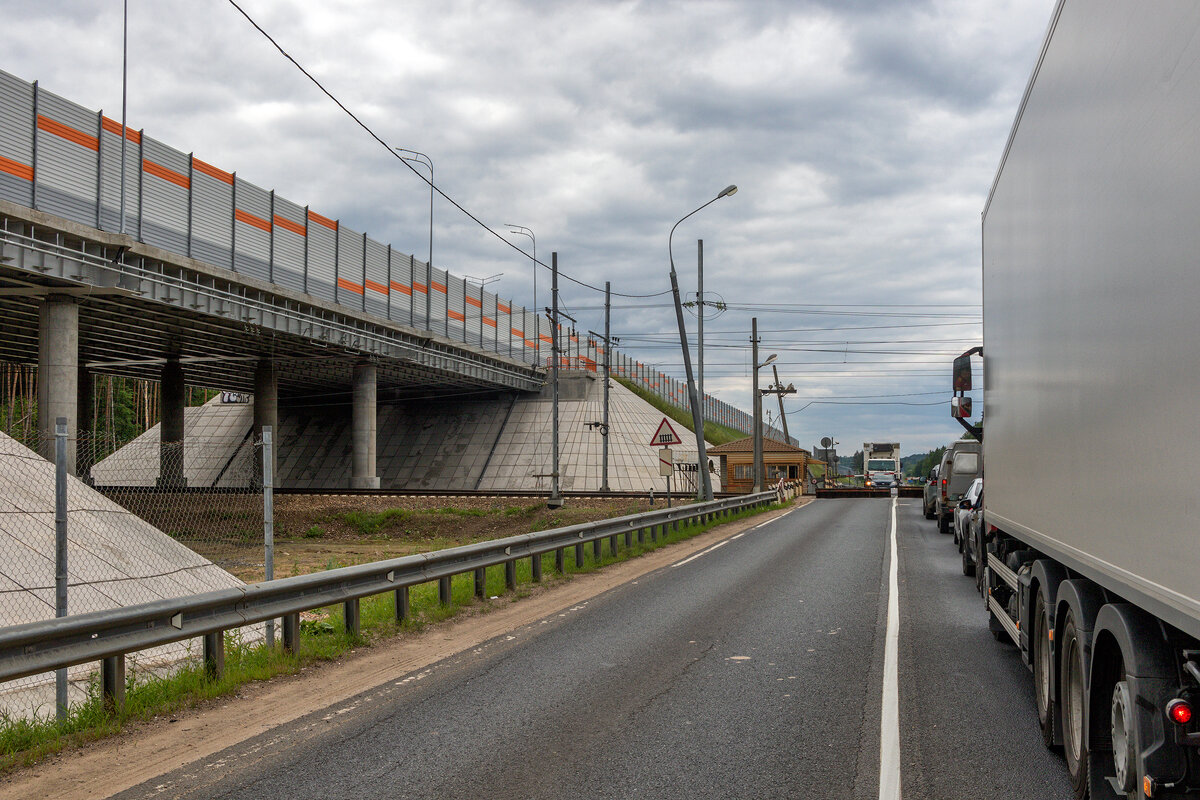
pixel 889 733
pixel 738 536
pixel 701 553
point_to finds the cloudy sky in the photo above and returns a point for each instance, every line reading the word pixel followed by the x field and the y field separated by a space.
pixel 863 136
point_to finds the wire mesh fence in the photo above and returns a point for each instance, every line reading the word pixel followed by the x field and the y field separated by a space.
pixel 144 520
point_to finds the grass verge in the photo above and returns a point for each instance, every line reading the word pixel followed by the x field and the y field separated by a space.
pixel 714 432
pixel 322 638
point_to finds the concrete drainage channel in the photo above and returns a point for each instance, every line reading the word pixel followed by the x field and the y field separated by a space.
pixel 108 636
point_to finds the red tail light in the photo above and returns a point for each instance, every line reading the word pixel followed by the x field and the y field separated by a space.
pixel 1180 711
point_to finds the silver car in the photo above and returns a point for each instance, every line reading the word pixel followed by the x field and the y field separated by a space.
pixel 966 506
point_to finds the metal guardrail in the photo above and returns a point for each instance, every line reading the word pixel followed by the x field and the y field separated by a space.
pixel 106 636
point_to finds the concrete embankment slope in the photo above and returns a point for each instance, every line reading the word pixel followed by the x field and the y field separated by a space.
pixel 495 442
pixel 114 559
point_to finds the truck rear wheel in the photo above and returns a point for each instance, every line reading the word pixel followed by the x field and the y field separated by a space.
pixel 1043 671
pixel 1074 699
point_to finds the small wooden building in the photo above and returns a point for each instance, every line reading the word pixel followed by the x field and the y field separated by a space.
pixel 779 460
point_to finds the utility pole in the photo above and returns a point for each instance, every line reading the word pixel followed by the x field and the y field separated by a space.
pixel 700 326
pixel 604 425
pixel 758 431
pixel 555 500
pixel 779 392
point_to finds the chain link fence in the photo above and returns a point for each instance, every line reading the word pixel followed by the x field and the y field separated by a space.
pixel 121 524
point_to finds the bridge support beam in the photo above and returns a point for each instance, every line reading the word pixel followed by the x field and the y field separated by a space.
pixel 363 473
pixel 266 411
pixel 170 448
pixel 58 373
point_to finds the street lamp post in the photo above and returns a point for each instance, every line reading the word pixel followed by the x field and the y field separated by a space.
pixel 705 484
pixel 521 230
pixel 416 157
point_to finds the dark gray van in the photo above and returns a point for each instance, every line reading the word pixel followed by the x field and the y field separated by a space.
pixel 961 465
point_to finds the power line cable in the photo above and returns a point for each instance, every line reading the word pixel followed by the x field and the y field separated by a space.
pixel 414 170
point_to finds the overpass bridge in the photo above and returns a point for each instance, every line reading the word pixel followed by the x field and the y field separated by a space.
pixel 122 255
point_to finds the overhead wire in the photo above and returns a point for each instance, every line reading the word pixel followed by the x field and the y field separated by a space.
pixel 414 170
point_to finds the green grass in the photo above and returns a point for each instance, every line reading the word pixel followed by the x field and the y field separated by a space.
pixel 713 432
pixel 370 523
pixel 24 742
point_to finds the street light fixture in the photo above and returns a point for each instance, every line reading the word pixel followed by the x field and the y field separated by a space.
pixel 704 488
pixel 521 230
pixel 415 158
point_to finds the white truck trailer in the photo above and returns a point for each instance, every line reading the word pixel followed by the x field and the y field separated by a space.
pixel 1091 346
pixel 881 464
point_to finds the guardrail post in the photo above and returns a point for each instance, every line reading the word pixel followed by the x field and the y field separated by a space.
pixel 641 535
pixel 596 545
pixel 560 560
pixel 510 575
pixel 628 539
pixel 214 655
pixel 612 545
pixel 291 632
pixel 536 565
pixel 578 556
pixel 351 614
pixel 112 684
pixel 480 581
pixel 402 611
pixel 444 590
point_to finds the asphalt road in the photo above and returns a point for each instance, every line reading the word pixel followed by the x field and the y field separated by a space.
pixel 753 670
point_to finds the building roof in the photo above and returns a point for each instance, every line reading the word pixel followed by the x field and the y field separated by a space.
pixel 747 446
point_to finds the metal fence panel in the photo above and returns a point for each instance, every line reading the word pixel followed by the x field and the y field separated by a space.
pixel 287 258
pixel 438 302
pixel 375 282
pixel 252 230
pixel 350 268
pixel 400 288
pixel 488 326
pixel 67 153
pixel 212 214
pixel 322 256
pixel 166 189
pixel 456 318
pixel 16 139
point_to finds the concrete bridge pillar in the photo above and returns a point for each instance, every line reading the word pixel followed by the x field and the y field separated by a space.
pixel 170 449
pixel 58 373
pixel 266 412
pixel 364 429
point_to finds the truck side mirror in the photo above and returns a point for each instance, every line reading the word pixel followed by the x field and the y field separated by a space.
pixel 962 374
pixel 960 407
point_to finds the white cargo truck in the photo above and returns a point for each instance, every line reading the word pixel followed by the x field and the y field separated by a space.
pixel 1091 316
pixel 881 464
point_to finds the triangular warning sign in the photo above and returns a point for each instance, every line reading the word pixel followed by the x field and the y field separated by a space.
pixel 665 436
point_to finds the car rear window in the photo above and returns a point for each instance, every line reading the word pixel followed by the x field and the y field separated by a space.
pixel 966 462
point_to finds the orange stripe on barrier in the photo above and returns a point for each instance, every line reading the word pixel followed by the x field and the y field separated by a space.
pixel 504 308
pixel 545 338
pixel 251 220
pixel 455 315
pixel 326 221
pixel 350 286
pixel 67 132
pixel 471 301
pixel 112 126
pixel 290 225
pixel 530 344
pixel 517 333
pixel 419 287
pixel 489 321
pixel 16 168
pixel 377 287
pixel 438 287
pixel 401 288
pixel 167 174
pixel 205 168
